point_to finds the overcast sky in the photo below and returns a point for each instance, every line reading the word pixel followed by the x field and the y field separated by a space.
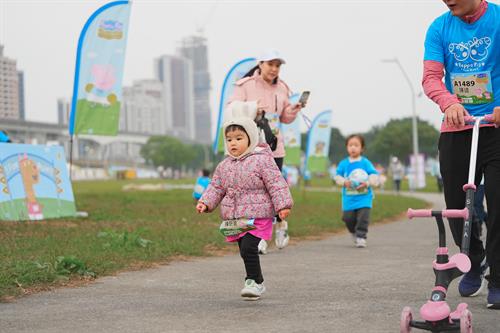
pixel 333 48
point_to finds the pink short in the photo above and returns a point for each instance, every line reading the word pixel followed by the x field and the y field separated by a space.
pixel 263 230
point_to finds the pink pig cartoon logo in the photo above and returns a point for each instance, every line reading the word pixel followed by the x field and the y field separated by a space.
pixel 99 92
pixel 478 92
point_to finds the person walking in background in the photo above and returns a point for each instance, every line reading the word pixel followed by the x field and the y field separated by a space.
pixel 463 46
pixel 397 173
pixel 356 174
pixel 201 184
pixel 263 85
pixel 436 172
pixel 249 186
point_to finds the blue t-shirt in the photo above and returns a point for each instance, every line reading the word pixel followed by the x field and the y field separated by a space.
pixel 356 172
pixel 471 57
pixel 200 187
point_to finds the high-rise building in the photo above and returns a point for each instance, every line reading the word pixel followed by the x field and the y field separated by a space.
pixel 9 88
pixel 143 109
pixel 176 75
pixel 20 78
pixel 195 49
pixel 63 111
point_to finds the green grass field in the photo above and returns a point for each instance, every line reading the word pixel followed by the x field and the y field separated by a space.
pixel 129 230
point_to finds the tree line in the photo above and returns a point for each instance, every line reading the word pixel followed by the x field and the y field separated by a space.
pixel 383 141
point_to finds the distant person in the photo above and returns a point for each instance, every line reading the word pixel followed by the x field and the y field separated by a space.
pixel 436 172
pixel 201 184
pixel 4 137
pixel 250 188
pixel 397 173
pixel 332 171
pixel 307 177
pixel 263 85
pixel 356 174
pixel 462 46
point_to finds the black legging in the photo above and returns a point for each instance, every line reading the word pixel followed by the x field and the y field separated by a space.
pixel 249 251
pixel 454 153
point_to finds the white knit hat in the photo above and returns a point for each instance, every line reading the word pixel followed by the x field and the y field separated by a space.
pixel 243 114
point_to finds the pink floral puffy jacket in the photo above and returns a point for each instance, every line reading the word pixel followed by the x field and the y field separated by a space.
pixel 248 187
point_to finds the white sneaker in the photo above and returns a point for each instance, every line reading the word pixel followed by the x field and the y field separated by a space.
pixel 262 247
pixel 353 238
pixel 360 242
pixel 252 290
pixel 282 237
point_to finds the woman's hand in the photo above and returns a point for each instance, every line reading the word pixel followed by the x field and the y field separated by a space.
pixel 496 116
pixel 201 207
pixel 297 107
pixel 454 115
pixel 347 183
pixel 283 214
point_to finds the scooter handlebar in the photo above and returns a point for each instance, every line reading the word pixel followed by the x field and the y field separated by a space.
pixel 448 213
pixel 411 213
pixel 456 213
pixel 487 118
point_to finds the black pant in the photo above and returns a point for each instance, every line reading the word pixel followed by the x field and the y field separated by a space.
pixel 357 221
pixel 249 251
pixel 454 155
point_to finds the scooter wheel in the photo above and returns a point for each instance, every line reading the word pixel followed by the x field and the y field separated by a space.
pixel 466 322
pixel 406 318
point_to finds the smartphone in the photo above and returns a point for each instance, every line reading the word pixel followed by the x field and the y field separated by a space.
pixel 303 98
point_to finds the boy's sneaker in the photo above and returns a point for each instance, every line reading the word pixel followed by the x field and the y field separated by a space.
pixel 282 237
pixel 354 238
pixel 360 242
pixel 473 282
pixel 494 298
pixel 252 290
pixel 262 247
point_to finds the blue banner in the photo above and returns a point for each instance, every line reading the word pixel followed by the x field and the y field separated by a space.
pixel 235 73
pixel 97 90
pixel 318 143
pixel 34 183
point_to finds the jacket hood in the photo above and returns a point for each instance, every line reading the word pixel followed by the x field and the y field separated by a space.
pixel 243 114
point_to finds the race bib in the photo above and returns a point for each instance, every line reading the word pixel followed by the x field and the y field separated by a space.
pixel 236 226
pixel 473 88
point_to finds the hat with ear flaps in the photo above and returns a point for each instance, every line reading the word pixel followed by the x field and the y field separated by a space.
pixel 243 114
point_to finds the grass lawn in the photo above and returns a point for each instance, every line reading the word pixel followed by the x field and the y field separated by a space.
pixel 128 230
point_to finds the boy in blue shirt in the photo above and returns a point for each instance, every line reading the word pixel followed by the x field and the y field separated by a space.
pixel 356 174
pixel 201 184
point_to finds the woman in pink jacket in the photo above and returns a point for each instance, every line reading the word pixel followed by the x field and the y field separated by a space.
pixel 248 185
pixel 263 85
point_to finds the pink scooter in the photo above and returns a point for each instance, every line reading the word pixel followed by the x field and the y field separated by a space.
pixel 436 313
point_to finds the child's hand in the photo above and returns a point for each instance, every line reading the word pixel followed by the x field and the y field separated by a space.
pixel 283 214
pixel 361 186
pixel 347 183
pixel 201 207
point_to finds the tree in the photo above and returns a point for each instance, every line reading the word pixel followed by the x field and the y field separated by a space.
pixel 395 139
pixel 168 152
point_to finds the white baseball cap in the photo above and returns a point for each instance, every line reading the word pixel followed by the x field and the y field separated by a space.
pixel 271 55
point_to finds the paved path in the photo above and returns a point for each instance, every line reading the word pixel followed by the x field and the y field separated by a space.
pixel 316 286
